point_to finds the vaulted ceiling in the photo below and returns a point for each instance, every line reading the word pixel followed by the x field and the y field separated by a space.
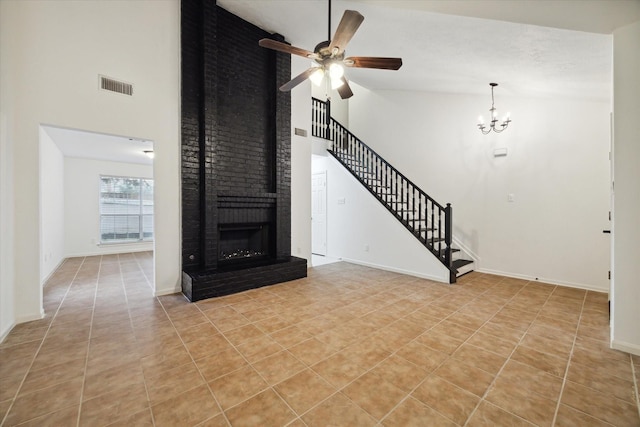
pixel 532 48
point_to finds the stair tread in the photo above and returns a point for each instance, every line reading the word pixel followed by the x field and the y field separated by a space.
pixel 442 250
pixel 458 263
pixel 398 201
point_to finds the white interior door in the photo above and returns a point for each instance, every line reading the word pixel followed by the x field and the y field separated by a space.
pixel 319 213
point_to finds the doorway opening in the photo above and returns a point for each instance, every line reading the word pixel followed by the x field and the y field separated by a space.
pixel 319 213
pixel 96 197
pixel 320 230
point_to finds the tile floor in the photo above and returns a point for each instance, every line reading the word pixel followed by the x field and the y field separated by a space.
pixel 347 346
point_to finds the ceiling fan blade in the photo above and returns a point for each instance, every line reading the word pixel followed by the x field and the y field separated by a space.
pixel 373 62
pixel 283 47
pixel 345 90
pixel 297 79
pixel 347 27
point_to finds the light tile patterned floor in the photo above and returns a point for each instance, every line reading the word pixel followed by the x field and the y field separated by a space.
pixel 347 346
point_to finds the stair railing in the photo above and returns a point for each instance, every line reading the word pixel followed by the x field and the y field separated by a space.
pixel 425 218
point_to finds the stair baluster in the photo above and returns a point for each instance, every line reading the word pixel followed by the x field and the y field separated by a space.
pixel 430 222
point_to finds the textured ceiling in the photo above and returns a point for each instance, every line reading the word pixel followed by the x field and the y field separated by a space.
pixel 593 16
pixel 443 52
pixel 530 47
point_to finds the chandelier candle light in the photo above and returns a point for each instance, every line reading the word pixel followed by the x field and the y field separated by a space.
pixel 494 117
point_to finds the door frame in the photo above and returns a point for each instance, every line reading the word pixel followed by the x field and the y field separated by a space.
pixel 313 234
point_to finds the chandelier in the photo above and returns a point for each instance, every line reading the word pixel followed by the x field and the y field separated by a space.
pixel 494 118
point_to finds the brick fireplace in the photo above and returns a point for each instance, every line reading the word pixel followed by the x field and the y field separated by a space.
pixel 236 156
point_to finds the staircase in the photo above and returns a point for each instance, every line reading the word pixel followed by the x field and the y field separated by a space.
pixel 421 215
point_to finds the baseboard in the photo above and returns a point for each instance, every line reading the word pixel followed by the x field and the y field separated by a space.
pixel 6 332
pixel 21 319
pixel 30 317
pixel 161 292
pixel 542 280
pixel 46 279
pixel 625 346
pixel 399 270
pixel 114 249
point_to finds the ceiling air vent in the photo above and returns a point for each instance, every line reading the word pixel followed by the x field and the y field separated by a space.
pixel 113 85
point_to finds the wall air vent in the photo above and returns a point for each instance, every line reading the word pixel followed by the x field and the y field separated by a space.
pixel 118 86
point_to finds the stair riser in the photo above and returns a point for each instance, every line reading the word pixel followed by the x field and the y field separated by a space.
pixel 465 269
pixel 399 196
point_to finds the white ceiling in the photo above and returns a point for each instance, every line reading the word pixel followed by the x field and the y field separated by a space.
pixel 592 16
pixel 530 47
pixel 567 52
pixel 98 146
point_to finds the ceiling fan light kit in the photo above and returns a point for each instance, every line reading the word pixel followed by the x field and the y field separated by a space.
pixel 336 71
pixel 494 118
pixel 328 56
pixel 317 76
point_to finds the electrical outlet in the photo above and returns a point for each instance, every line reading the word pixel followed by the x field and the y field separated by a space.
pixel 366 248
pixel 511 197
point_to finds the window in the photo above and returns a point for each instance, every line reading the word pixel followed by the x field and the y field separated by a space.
pixel 126 209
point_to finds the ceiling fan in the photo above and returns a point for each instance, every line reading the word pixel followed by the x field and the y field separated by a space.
pixel 329 56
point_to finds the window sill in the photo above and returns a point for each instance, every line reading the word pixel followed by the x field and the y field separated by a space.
pixel 125 243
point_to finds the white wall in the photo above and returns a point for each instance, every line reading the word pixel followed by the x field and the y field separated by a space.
pixel 557 168
pixel 362 231
pixel 301 165
pixel 340 109
pixel 81 205
pixel 625 299
pixel 52 201
pixel 7 314
pixel 52 53
pixel 302 151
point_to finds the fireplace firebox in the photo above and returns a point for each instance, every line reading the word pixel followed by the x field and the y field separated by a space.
pixel 241 244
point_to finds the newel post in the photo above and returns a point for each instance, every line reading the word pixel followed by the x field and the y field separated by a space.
pixel 448 237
